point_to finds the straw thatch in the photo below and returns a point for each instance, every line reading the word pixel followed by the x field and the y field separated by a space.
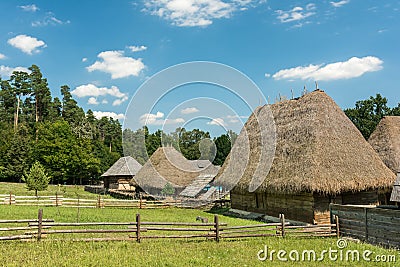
pixel 167 165
pixel 125 166
pixel 395 196
pixel 386 141
pixel 318 149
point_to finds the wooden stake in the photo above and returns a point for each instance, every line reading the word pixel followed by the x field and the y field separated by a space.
pixel 138 227
pixel 282 217
pixel 40 224
pixel 216 222
pixel 337 226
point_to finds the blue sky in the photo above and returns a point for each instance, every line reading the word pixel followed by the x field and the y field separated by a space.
pixel 106 50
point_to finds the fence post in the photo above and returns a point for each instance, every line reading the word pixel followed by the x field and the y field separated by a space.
pixel 138 227
pixel 140 200
pixel 282 217
pixel 98 202
pixel 11 198
pixel 216 223
pixel 56 198
pixel 40 221
pixel 337 226
pixel 366 223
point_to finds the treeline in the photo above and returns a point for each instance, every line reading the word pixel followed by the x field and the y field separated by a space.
pixel 73 146
pixel 367 113
pixel 194 144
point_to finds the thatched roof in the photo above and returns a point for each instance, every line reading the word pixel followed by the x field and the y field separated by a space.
pixel 125 166
pixel 167 165
pixel 318 149
pixel 395 196
pixel 386 141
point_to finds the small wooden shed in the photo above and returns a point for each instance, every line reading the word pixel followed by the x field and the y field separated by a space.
pixel 317 156
pixel 120 174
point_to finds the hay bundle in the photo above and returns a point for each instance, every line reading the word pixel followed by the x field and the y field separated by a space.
pixel 386 141
pixel 317 149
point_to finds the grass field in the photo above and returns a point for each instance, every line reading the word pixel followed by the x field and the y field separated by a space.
pixel 164 252
pixel 68 191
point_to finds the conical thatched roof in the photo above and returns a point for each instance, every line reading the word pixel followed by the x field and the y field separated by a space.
pixel 386 141
pixel 318 149
pixel 167 165
pixel 125 166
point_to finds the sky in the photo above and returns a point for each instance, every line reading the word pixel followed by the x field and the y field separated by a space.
pixel 203 63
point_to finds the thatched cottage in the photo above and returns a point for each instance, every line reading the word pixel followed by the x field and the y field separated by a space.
pixel 168 166
pixel 120 174
pixel 386 142
pixel 319 157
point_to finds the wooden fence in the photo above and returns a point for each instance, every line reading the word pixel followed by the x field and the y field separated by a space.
pixel 139 230
pixel 370 224
pixel 59 200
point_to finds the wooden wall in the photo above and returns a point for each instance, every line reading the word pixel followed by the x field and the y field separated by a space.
pixel 373 225
pixel 305 207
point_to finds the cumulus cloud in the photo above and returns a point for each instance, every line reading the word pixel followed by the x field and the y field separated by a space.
pixel 101 114
pixel 29 8
pixel 7 71
pixel 158 119
pixel 137 48
pixel 189 110
pixel 340 3
pixel 92 101
pixel 190 13
pixel 217 121
pixel 93 91
pixel 296 14
pixel 116 64
pixel 84 59
pixel 27 44
pixel 352 68
pixel 118 102
pixel 2 56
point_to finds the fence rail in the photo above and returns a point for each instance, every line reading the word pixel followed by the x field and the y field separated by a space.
pixel 371 224
pixel 139 230
pixel 59 200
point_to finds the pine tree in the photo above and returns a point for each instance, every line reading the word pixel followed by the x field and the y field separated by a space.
pixel 37 179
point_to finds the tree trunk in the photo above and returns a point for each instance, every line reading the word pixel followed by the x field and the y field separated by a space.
pixel 16 114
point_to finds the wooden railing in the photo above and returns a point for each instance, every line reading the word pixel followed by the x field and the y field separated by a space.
pixel 100 202
pixel 139 230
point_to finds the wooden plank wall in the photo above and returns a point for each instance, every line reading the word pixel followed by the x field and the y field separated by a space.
pixel 297 207
pixel 370 224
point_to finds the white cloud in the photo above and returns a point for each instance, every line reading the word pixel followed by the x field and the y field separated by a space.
pixel 189 110
pixel 235 118
pixel 217 121
pixel 101 114
pixel 93 90
pixel 7 71
pixel 2 56
pixel 267 75
pixel 29 8
pixel 137 48
pixel 352 68
pixel 49 19
pixel 158 119
pixel 116 64
pixel 104 101
pixel 27 44
pixel 296 14
pixel 340 3
pixel 191 13
pixel 118 102
pixel 84 59
pixel 92 101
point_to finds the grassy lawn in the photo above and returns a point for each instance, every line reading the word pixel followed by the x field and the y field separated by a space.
pixel 165 252
pixel 68 191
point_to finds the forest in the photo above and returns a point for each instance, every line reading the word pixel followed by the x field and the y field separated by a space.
pixel 75 147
